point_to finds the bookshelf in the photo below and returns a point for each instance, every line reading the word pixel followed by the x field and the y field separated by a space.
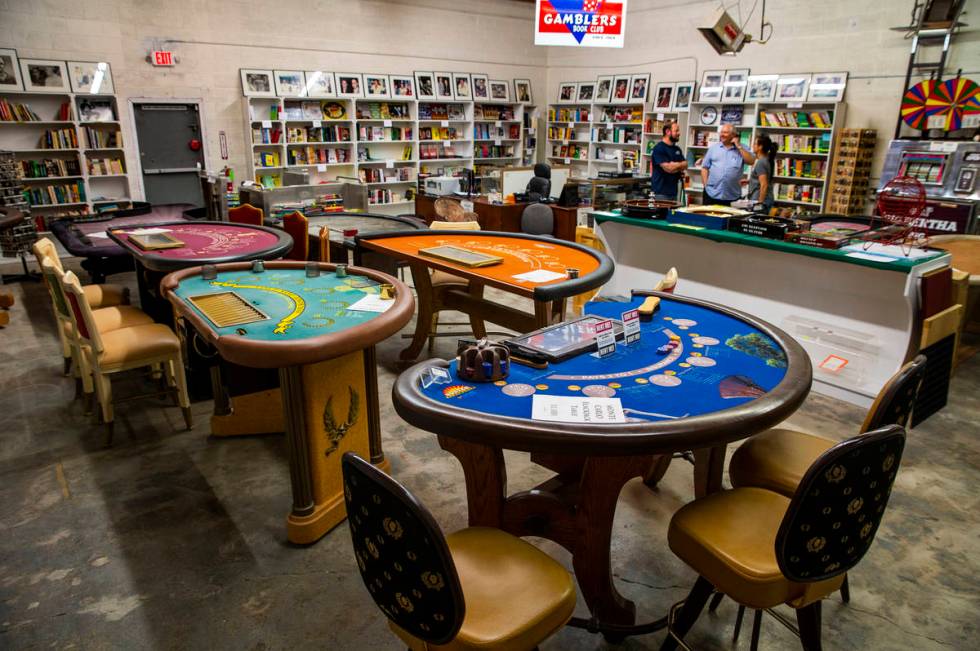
pixel 387 151
pixel 264 128
pixel 497 135
pixel 569 135
pixel 319 137
pixel 445 137
pixel 529 143
pixel 616 132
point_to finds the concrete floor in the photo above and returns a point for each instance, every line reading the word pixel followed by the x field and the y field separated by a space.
pixel 174 540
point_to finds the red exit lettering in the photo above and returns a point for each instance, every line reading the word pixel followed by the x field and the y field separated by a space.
pixel 163 58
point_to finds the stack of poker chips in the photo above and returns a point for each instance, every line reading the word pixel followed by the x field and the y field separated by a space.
pixel 483 362
pixel 674 342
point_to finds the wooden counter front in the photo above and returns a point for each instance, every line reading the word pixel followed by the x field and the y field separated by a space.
pixel 501 217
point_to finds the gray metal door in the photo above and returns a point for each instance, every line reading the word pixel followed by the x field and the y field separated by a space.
pixel 166 135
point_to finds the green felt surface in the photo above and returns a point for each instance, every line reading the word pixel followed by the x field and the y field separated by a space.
pixel 900 265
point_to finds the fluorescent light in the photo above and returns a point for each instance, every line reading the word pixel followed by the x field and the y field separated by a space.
pixel 99 76
pixel 310 82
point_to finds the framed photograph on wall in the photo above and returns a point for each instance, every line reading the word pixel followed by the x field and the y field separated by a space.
pixel 567 91
pixel 734 86
pixel 257 83
pixel 90 77
pixel 760 88
pixel 290 83
pixel 9 70
pixel 683 93
pixel 350 84
pixel 320 83
pixel 402 86
pixel 603 89
pixel 664 98
pixel 425 85
pixel 586 92
pixel 792 88
pixel 499 90
pixel 481 86
pixel 827 86
pixel 444 85
pixel 522 91
pixel 621 90
pixel 44 75
pixel 712 83
pixel 376 86
pixel 639 87
pixel 462 86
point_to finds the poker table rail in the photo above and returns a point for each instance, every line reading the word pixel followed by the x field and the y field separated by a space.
pixel 550 292
pixel 293 352
pixel 621 439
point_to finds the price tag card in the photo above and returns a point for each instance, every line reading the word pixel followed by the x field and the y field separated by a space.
pixel 795 105
pixel 321 167
pixel 434 375
pixel 497 124
pixel 444 123
pixel 446 143
pixel 389 164
pixel 577 409
pixel 660 116
pixel 497 141
pixel 605 339
pixel 317 124
pixel 266 124
pixel 631 326
pixel 568 161
pixel 387 123
pixel 565 141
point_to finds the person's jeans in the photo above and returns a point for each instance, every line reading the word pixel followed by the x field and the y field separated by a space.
pixel 709 200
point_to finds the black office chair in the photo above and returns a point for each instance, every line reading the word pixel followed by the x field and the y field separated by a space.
pixel 539 187
pixel 538 219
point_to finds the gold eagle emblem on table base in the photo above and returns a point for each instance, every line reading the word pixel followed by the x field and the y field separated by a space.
pixel 337 432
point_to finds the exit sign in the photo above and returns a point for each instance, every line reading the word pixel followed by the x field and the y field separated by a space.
pixel 162 58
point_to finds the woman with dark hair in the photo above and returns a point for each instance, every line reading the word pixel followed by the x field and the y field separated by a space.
pixel 760 179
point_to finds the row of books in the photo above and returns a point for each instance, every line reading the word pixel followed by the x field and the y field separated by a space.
pixel 803 192
pixel 364 155
pixel 267 135
pixel 320 206
pixel 105 166
pixel 566 133
pixel 796 119
pixel 703 138
pixel 622 114
pixel 266 159
pixel 789 144
pixel 269 180
pixel 569 115
pixel 430 111
pixel 17 112
pixel 440 133
pixel 493 151
pixel 444 150
pixel 576 152
pixel 491 131
pixel 384 134
pixel 318 155
pixel 335 133
pixel 59 139
pixel 38 169
pixel 383 111
pixel 810 169
pixel 625 135
pixel 381 196
pixel 631 159
pixel 103 138
pixel 654 126
pixel 380 175
pixel 55 194
pixel 491 112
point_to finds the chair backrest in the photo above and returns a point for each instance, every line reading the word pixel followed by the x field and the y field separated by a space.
pixel 538 188
pixel 669 282
pixel 324 239
pixel 81 312
pixel 246 214
pixel 835 512
pixel 893 405
pixel 297 225
pixel 45 248
pixel 402 555
pixel 538 219
pixel 457 226
pixel 52 279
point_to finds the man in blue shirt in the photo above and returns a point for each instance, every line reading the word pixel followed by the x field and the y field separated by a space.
pixel 668 163
pixel 721 170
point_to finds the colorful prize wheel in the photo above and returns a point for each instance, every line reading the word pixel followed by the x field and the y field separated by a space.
pixel 914 104
pixel 951 99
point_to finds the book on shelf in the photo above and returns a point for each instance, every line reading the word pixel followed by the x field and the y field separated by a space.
pixel 484 150
pixel 59 139
pixel 17 112
pixel 438 111
pixel 576 152
pixel 55 194
pixel 622 114
pixel 569 115
pixel 37 169
pixel 383 111
pixel 796 119
pixel 105 166
pixel 800 192
pixel 266 159
pixel 266 135
pixel 103 138
pixel 270 180
pixel 798 167
pixel 493 112
pixel 318 155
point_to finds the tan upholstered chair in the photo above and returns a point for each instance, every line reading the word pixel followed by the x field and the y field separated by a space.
pixel 324 239
pixel 105 353
pixel 475 589
pixel 442 280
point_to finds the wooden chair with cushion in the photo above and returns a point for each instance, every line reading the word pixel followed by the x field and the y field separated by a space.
pixel 246 214
pixel 478 588
pixel 442 281
pixel 297 225
pixel 324 241
pixel 764 549
pixel 106 353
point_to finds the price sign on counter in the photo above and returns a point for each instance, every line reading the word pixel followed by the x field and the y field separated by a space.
pixel 631 326
pixel 605 339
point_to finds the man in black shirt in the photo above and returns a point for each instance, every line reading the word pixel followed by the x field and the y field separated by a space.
pixel 668 163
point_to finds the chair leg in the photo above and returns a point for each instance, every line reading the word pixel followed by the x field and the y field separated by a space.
pixel 657 470
pixel 738 623
pixel 845 591
pixel 176 367
pixel 104 393
pixel 808 620
pixel 713 606
pixel 433 328
pixel 67 365
pixel 756 629
pixel 693 606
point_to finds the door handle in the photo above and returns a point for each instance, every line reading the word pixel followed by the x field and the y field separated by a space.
pixel 170 170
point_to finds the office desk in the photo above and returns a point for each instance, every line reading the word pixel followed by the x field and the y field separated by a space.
pixel 501 217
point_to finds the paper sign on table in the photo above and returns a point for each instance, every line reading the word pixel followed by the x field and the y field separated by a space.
pixel 605 339
pixel 371 303
pixel 631 326
pixel 539 276
pixel 577 409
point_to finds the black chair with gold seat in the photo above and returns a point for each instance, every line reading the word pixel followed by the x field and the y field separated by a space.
pixel 764 549
pixel 477 588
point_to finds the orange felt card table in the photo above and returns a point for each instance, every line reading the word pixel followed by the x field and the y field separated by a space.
pixel 521 254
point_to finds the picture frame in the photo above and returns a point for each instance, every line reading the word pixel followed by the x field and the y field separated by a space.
pixel 444 85
pixel 712 84
pixel 10 70
pixel 683 94
pixel 567 92
pixel 664 99
pixel 761 88
pixel 827 87
pixel 257 83
pixel 499 90
pixel 96 109
pixel 289 83
pixel 733 88
pixel 91 77
pixel 425 85
pixel 639 87
pixel 621 89
pixel 603 89
pixel 792 88
pixel 320 83
pixel 586 92
pixel 44 75
pixel 522 91
pixel 462 86
pixel 350 84
pixel 481 86
pixel 376 86
pixel 402 86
